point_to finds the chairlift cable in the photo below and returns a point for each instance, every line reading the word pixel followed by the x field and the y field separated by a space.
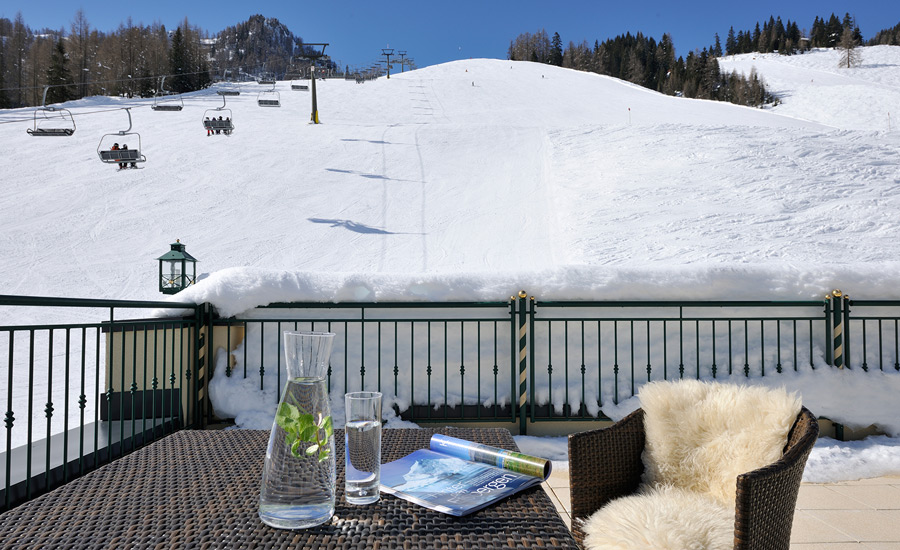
pixel 95 82
pixel 100 111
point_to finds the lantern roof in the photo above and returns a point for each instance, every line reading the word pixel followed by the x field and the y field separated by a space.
pixel 177 253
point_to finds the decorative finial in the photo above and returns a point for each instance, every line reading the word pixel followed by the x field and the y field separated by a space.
pixel 522 294
pixel 837 293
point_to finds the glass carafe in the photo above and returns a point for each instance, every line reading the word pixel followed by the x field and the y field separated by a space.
pixel 298 481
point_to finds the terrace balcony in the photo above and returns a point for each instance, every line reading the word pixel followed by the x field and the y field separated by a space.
pixel 104 383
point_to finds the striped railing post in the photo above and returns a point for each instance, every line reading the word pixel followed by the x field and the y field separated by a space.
pixel 522 322
pixel 837 326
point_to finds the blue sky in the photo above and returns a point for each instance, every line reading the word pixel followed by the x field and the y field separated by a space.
pixel 435 32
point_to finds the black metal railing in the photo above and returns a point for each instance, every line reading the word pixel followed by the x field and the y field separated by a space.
pixel 84 387
pixel 564 360
pixel 435 362
pixel 598 353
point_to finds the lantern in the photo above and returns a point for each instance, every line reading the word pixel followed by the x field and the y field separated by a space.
pixel 177 269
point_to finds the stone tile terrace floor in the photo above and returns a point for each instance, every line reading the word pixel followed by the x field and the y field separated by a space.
pixel 857 515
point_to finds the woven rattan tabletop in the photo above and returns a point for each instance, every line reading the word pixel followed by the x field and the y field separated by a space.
pixel 200 489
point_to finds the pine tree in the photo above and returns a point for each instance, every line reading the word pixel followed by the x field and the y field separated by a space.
pixel 59 78
pixel 178 63
pixel 730 42
pixel 556 52
pixel 18 49
pixel 5 25
pixel 779 36
pixel 847 22
pixel 717 48
pixel 833 32
pixel 793 32
pixel 817 33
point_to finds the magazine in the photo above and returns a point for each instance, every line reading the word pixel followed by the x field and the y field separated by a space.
pixel 458 477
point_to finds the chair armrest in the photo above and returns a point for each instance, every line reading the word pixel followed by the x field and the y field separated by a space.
pixel 766 497
pixel 604 464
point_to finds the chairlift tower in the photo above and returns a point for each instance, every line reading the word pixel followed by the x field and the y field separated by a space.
pixel 313 55
pixel 388 52
pixel 402 54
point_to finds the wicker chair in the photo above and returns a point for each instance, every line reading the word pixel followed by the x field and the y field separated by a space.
pixel 606 464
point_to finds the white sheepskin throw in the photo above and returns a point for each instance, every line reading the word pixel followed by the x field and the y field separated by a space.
pixel 666 518
pixel 699 437
pixel 702 435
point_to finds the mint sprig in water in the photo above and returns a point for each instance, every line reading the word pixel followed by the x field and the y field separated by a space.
pixel 301 427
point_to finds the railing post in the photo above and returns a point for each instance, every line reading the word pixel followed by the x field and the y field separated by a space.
pixel 829 337
pixel 523 362
pixel 513 353
pixel 200 360
pixel 837 325
pixel 531 375
pixel 846 308
pixel 838 333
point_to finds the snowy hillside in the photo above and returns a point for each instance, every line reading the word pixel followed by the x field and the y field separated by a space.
pixel 468 180
pixel 813 87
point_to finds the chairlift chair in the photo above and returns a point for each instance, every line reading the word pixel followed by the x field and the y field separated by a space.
pixel 166 104
pixel 299 84
pixel 269 98
pixel 131 155
pixel 229 89
pixel 52 121
pixel 218 120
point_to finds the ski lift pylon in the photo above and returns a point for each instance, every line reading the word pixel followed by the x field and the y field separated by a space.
pixel 120 155
pixel 52 121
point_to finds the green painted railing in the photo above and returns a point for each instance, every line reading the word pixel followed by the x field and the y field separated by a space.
pixel 84 387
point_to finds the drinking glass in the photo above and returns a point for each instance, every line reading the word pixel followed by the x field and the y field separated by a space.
pixel 362 449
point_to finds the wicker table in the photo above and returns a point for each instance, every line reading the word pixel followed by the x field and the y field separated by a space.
pixel 200 489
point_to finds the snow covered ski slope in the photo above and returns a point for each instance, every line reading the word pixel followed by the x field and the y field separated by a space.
pixel 469 179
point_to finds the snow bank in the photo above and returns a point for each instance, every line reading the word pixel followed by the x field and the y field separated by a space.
pixel 237 290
